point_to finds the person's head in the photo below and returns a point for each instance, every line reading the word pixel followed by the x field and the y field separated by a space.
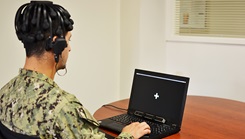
pixel 43 26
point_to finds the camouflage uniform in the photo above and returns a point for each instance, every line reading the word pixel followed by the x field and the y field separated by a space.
pixel 33 104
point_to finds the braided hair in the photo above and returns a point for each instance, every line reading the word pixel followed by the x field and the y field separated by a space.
pixel 37 22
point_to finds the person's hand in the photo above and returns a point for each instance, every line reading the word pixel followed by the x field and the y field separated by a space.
pixel 137 129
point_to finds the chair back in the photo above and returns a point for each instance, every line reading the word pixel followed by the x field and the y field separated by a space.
pixel 6 133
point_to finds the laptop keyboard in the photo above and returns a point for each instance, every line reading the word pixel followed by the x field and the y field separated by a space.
pixel 156 128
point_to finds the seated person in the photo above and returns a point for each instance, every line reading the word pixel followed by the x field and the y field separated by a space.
pixel 32 103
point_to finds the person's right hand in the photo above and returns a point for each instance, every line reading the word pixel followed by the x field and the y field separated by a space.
pixel 137 129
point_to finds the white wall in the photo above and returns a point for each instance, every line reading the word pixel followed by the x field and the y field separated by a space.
pixel 215 69
pixel 129 44
pixel 142 39
pixel 94 63
pixel 12 54
pixel 216 66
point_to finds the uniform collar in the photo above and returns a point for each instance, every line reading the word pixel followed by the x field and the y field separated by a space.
pixel 38 75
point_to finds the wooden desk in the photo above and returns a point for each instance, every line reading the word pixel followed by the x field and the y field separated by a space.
pixel 204 118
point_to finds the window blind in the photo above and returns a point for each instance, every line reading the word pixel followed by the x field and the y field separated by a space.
pixel 215 18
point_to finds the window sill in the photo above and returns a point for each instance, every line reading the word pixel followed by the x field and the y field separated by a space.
pixel 208 40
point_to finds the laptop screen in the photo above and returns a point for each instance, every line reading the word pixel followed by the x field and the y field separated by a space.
pixel 159 94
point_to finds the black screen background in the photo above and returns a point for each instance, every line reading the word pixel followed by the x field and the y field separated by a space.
pixel 169 105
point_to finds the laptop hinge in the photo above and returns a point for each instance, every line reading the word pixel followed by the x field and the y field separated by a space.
pixel 149 116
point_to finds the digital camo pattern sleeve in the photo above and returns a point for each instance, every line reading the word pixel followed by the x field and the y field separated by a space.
pixel 33 104
pixel 74 121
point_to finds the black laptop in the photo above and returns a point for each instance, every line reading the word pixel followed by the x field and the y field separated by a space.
pixel 156 98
